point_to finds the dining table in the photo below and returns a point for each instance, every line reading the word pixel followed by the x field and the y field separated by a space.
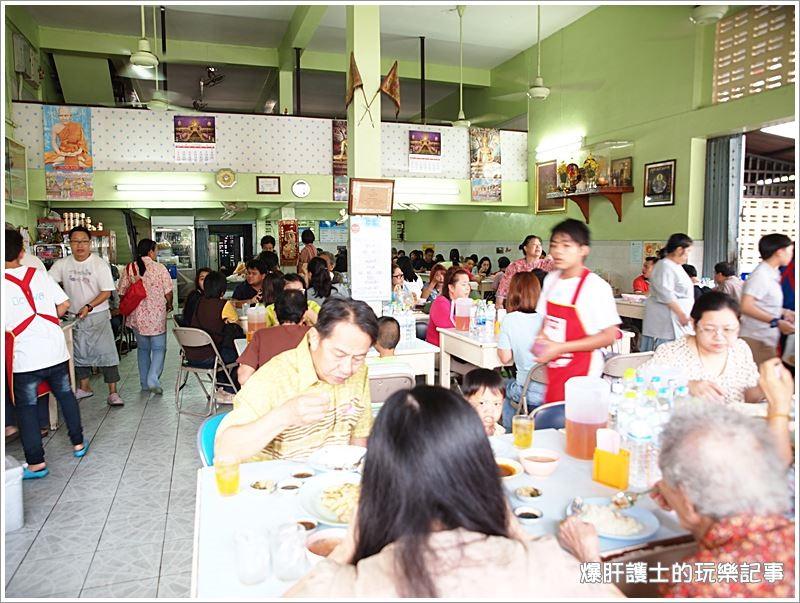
pixel 630 309
pixel 480 352
pixel 418 354
pixel 217 518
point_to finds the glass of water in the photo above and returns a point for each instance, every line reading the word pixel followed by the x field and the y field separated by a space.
pixel 252 555
pixel 288 548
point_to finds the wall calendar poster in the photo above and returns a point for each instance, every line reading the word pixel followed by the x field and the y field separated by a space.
pixel 484 162
pixel 195 138
pixel 287 239
pixel 341 189
pixel 424 152
pixel 68 162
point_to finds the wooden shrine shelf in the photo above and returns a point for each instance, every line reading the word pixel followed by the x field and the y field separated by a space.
pixel 612 193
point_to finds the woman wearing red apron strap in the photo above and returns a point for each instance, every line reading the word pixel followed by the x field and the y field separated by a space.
pixel 562 324
pixel 36 354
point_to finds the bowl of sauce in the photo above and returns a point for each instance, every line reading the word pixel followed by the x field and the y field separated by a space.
pixel 540 462
pixel 508 468
pixel 528 515
pixel 289 486
pixel 321 543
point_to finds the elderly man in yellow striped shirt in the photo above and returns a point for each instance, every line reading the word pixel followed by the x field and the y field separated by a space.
pixel 312 396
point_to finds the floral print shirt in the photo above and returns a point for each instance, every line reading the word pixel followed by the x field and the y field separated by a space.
pixel 150 316
pixel 522 265
pixel 743 556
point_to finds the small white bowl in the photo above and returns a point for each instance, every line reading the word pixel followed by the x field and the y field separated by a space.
pixel 309 524
pixel 263 486
pixel 540 462
pixel 528 494
pixel 303 473
pixel 289 485
pixel 510 464
pixel 332 533
pixel 528 515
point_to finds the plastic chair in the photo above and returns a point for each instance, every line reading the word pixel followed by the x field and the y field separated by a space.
pixel 205 438
pixel 537 373
pixel 383 383
pixel 616 366
pixel 549 416
pixel 197 338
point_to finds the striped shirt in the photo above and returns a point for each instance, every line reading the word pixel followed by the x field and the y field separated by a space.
pixel 291 374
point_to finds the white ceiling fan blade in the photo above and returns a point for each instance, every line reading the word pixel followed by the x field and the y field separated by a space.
pixel 487 117
pixel 588 86
pixel 514 96
pixel 135 72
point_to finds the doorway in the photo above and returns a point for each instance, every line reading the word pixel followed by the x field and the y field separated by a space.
pixel 226 244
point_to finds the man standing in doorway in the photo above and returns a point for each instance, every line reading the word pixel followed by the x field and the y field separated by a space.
pixel 87 279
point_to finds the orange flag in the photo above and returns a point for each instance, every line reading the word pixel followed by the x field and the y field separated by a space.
pixel 354 81
pixel 391 87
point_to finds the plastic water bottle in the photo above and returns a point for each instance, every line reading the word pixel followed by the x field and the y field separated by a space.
pixel 488 327
pixel 480 319
pixel 614 402
pixel 626 411
pixel 681 398
pixel 628 378
pixel 638 442
pixel 411 328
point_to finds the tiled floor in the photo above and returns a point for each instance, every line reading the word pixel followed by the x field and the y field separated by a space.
pixel 118 522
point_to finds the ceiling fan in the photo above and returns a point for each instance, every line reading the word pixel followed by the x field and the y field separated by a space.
pixel 462 121
pixel 537 90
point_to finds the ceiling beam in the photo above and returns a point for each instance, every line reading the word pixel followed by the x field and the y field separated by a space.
pixel 304 23
pixel 55 39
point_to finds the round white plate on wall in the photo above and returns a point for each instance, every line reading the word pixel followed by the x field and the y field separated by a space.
pixel 301 189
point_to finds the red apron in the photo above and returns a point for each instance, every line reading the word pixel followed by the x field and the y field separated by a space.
pixel 562 324
pixel 25 285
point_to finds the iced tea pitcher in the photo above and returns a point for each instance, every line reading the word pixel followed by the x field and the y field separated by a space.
pixel 462 308
pixel 586 411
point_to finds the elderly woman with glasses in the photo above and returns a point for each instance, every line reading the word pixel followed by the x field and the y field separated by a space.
pixel 718 364
pixel 725 480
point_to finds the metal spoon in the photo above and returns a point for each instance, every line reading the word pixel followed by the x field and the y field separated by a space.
pixel 625 500
pixel 577 505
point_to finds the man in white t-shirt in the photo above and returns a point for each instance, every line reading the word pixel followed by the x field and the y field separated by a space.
pixel 580 315
pixel 87 280
pixel 32 303
pixel 763 317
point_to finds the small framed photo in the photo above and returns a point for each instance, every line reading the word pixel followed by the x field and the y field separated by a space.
pixel 659 183
pixel 547 182
pixel 370 197
pixel 622 172
pixel 268 185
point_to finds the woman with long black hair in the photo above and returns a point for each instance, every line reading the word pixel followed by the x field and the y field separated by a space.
pixel 320 285
pixel 433 520
pixel 195 296
pixel 149 319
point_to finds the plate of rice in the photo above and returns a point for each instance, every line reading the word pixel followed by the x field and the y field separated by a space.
pixel 631 524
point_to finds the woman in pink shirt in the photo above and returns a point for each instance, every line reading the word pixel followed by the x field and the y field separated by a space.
pixel 149 319
pixel 532 248
pixel 456 285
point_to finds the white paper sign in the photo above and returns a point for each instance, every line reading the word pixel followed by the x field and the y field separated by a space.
pixel 636 252
pixel 370 257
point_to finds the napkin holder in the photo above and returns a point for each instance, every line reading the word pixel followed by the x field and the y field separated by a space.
pixel 611 469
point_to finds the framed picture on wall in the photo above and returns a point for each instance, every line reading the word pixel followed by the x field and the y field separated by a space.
pixel 370 197
pixel 546 182
pixel 268 185
pixel 622 172
pixel 16 175
pixel 659 183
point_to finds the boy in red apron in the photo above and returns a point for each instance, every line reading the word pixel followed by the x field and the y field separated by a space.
pixel 36 353
pixel 580 315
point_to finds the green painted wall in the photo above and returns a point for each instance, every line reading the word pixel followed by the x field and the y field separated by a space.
pixel 638 73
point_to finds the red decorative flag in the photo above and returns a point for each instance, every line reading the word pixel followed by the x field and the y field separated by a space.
pixel 391 87
pixel 354 81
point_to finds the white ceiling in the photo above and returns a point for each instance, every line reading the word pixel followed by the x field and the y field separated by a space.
pixel 493 32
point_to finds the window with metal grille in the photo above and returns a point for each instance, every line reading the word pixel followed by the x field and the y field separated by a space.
pixel 760 216
pixel 768 177
pixel 753 52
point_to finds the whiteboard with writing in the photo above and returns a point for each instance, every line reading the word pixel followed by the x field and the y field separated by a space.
pixel 371 257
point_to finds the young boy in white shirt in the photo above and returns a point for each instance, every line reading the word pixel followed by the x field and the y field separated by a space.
pixel 580 315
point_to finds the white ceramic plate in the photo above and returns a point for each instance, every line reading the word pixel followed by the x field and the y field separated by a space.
pixel 649 521
pixel 337 457
pixel 502 447
pixel 311 495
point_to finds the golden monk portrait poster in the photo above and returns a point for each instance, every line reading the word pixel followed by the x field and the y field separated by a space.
pixel 68 163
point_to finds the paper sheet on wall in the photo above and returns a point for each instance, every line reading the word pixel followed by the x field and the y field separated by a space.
pixel 424 152
pixel 195 138
pixel 68 160
pixel 370 257
pixel 636 250
pixel 331 232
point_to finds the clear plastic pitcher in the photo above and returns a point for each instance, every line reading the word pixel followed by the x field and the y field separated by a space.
pixel 586 411
pixel 462 308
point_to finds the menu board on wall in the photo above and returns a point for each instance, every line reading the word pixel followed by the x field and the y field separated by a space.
pixel 370 257
pixel 484 162
pixel 287 239
pixel 339 147
pixel 68 161
pixel 331 232
pixel 424 152
pixel 195 138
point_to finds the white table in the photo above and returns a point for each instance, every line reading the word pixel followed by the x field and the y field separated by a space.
pixel 217 518
pixel 421 357
pixel 630 309
pixel 240 345
pixel 453 342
